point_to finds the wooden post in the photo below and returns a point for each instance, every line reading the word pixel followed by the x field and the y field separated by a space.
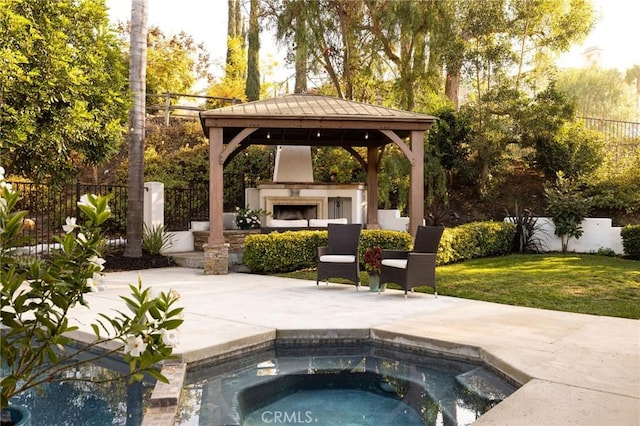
pixel 216 169
pixel 216 260
pixel 416 192
pixel 167 106
pixel 373 157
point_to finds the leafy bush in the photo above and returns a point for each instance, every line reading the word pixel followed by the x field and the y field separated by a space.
pixel 568 207
pixel 283 251
pixel 575 150
pixel 156 239
pixel 295 250
pixel 526 224
pixel 619 191
pixel 387 239
pixel 631 241
pixel 37 302
pixel 477 239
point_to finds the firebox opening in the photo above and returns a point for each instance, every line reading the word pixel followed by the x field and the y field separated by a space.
pixel 294 212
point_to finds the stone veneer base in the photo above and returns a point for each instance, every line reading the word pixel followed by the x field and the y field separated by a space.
pixel 216 259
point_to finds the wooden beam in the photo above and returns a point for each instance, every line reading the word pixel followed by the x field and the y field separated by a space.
pixel 313 123
pixel 400 143
pixel 356 155
pixel 235 142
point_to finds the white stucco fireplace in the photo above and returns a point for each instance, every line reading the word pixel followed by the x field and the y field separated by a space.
pixel 294 196
pixel 291 201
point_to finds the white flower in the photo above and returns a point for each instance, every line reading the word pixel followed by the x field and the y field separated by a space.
pixel 4 184
pixel 70 225
pixel 1 173
pixel 98 261
pixel 83 239
pixel 174 294
pixel 134 346
pixel 170 338
pixel 84 201
pixel 95 284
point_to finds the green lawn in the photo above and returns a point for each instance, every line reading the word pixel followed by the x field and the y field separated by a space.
pixel 581 283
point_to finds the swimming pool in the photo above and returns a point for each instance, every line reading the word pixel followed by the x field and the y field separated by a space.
pixel 366 384
pixel 78 400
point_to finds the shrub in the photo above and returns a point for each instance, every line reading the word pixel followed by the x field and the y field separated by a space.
pixel 568 208
pixel 295 250
pixel 36 304
pixel 283 251
pixel 526 224
pixel 387 239
pixel 575 150
pixel 155 239
pixel 473 240
pixel 631 241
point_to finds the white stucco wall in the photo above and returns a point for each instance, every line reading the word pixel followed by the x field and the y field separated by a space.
pixel 598 233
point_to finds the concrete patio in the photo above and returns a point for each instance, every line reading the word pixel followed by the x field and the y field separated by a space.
pixel 576 369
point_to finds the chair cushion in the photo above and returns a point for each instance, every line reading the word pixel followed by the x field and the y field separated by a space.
pixel 325 222
pixel 395 263
pixel 337 258
pixel 288 223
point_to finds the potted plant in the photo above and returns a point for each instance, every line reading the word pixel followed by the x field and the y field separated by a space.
pixel 373 263
pixel 38 299
pixel 248 218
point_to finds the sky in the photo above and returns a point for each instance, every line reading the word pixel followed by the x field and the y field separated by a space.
pixel 617 31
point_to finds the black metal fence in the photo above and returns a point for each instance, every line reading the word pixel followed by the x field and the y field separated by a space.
pixel 622 141
pixel 184 205
pixel 49 207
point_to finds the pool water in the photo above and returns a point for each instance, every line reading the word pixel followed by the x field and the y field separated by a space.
pixel 76 401
pixel 361 385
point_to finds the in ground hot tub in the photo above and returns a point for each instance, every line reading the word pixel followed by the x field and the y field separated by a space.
pixel 366 384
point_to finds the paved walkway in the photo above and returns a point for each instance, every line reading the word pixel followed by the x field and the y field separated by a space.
pixel 576 369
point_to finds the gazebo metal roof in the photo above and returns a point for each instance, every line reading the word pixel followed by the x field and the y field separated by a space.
pixel 311 119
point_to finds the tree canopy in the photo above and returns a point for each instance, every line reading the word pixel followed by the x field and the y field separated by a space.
pixel 63 99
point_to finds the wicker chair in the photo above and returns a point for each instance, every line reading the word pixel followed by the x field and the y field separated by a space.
pixel 340 258
pixel 414 268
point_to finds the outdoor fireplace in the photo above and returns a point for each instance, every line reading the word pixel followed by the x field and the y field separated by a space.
pixel 293 195
pixel 295 211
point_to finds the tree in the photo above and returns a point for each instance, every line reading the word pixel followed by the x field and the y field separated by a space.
pixel 63 95
pixel 632 76
pixel 232 84
pixel 568 208
pixel 599 93
pixel 574 150
pixel 253 63
pixel 137 79
pixel 401 29
pixel 174 62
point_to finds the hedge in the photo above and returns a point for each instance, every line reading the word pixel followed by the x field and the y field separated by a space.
pixel 631 241
pixel 476 239
pixel 295 250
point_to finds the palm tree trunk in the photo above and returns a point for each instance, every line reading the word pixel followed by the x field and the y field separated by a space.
pixel 137 77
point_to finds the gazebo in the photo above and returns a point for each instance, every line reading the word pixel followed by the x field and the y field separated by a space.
pixel 311 120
